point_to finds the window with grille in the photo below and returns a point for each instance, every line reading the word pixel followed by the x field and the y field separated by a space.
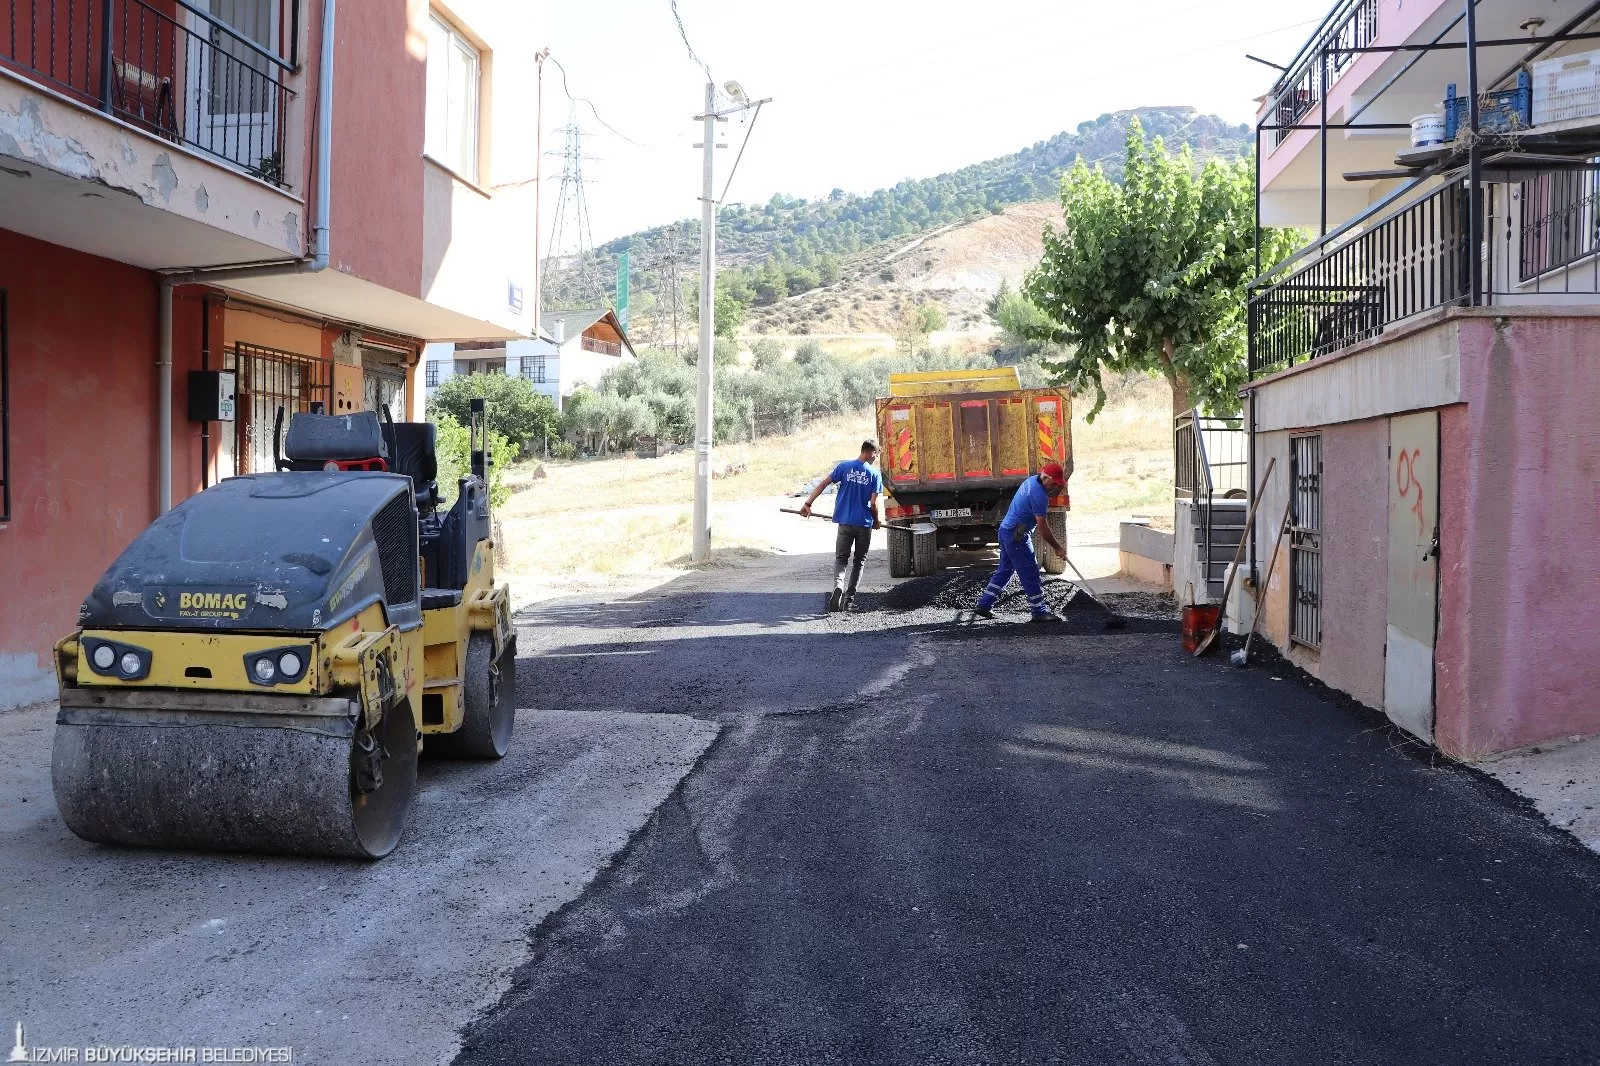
pixel 267 379
pixel 533 368
pixel 432 374
pixel 1305 541
pixel 5 416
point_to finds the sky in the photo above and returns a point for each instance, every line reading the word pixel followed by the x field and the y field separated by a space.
pixel 867 93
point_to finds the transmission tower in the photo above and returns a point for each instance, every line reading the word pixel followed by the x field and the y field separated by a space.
pixel 669 274
pixel 571 242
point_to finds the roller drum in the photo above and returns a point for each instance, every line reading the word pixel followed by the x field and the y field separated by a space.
pixel 173 778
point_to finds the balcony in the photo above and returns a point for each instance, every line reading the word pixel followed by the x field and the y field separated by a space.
pixel 1539 246
pixel 1320 62
pixel 174 71
pixel 600 347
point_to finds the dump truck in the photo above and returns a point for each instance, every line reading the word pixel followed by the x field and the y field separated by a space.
pixel 262 666
pixel 956 445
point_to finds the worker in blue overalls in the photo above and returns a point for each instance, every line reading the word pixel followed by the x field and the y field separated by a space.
pixel 1029 511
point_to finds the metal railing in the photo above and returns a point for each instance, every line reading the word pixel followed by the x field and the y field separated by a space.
pixel 1211 458
pixel 1413 260
pixel 186 76
pixel 1305 541
pixel 1351 24
pixel 1541 245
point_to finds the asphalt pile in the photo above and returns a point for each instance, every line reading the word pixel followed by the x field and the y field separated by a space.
pixel 958 590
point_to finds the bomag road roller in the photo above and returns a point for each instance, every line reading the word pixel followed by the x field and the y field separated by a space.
pixel 262 666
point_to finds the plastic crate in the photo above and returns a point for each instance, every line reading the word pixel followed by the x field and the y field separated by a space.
pixel 1566 88
pixel 1499 111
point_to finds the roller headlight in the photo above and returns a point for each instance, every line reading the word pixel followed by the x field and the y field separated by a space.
pixel 278 666
pixel 110 658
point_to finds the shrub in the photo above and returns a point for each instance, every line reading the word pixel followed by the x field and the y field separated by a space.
pixel 455 461
pixel 516 410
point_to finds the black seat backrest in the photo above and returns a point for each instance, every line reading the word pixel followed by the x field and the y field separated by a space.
pixel 318 438
pixel 415 452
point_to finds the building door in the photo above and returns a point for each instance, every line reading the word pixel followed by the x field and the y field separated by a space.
pixel 1413 571
pixel 232 92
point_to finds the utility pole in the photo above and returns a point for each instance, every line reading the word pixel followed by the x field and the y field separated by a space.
pixel 538 190
pixel 704 365
pixel 708 335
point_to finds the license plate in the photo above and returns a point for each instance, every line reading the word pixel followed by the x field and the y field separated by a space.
pixel 952 512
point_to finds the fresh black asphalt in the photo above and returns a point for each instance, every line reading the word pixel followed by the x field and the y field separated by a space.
pixel 923 842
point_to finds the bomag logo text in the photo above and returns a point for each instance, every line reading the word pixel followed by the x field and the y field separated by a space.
pixel 213 601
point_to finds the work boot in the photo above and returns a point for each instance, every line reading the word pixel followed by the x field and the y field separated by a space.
pixel 835 599
pixel 982 612
pixel 849 605
pixel 1045 616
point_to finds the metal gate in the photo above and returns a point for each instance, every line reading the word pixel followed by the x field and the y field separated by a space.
pixel 269 379
pixel 1305 541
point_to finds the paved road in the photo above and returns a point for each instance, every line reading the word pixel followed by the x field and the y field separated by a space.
pixel 921 843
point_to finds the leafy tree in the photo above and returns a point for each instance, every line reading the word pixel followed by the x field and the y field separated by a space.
pixel 917 322
pixel 730 306
pixel 830 269
pixel 1150 276
pixel 516 410
pixel 808 352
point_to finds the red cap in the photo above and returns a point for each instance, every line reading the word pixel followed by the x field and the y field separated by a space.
pixel 1053 470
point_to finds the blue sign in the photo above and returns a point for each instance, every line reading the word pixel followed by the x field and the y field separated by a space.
pixel 514 296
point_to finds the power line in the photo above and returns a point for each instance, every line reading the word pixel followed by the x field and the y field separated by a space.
pixel 678 18
pixel 566 88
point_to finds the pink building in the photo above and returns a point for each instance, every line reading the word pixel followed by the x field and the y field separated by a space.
pixel 1426 371
pixel 294 194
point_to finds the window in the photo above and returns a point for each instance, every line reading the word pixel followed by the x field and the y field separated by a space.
pixel 450 133
pixel 533 368
pixel 432 378
pixel 5 417
pixel 1305 541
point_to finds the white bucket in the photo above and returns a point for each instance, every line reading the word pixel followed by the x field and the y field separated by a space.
pixel 1426 130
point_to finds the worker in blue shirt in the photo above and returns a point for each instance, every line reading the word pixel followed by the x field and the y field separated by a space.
pixel 1029 510
pixel 856 511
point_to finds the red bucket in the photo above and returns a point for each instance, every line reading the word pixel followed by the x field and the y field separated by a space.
pixel 1198 620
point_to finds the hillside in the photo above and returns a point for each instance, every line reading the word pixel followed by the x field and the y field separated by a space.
pixel 959 267
pixel 803 244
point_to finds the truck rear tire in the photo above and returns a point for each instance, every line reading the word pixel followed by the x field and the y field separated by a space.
pixel 900 561
pixel 925 553
pixel 1053 563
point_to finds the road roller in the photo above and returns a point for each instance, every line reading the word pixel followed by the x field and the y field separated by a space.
pixel 263 666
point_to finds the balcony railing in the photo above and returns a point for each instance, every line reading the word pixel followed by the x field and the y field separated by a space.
pixel 1352 24
pixel 179 73
pixel 590 344
pixel 1541 245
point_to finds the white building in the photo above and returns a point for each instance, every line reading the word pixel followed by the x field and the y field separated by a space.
pixel 574 348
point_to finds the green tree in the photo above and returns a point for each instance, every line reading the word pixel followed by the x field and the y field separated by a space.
pixel 917 322
pixel 1150 275
pixel 516 410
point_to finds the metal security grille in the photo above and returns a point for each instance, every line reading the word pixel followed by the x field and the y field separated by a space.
pixel 394 528
pixel 269 379
pixel 1305 541
pixel 5 416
